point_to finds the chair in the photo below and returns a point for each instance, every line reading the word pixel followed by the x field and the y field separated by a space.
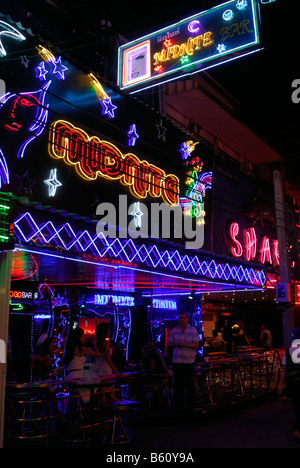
pixel 157 385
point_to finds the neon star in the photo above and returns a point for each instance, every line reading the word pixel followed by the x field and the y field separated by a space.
pixel 41 71
pixel 184 59
pixel 168 43
pixel 132 135
pixel 137 213
pixel 221 48
pixel 161 131
pixel 25 61
pixel 59 69
pixel 187 148
pixel 108 108
pixel 53 183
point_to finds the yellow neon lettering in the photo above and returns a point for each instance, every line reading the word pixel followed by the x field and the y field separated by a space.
pixel 187 48
pixel 207 39
pixel 93 157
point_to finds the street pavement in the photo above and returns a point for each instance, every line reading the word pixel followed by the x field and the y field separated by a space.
pixel 264 423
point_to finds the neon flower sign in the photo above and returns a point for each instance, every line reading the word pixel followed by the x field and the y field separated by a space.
pixel 95 158
pixel 246 244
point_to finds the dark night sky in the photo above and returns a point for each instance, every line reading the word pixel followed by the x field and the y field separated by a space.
pixel 262 82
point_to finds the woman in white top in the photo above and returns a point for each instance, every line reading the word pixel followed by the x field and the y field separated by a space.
pixel 104 364
pixel 75 357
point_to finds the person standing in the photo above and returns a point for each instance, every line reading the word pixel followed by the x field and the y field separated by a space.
pixel 266 338
pixel 184 340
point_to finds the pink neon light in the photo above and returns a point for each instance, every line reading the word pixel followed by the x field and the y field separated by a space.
pixel 250 241
pixel 265 251
pixel 268 252
pixel 237 250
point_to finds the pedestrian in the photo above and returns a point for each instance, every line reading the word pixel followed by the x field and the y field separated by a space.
pixel 266 338
pixel 291 375
pixel 184 340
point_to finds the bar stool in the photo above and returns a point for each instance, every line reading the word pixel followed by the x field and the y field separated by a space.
pixel 119 434
pixel 28 415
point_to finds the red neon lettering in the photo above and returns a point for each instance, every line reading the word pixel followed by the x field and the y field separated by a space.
pixel 93 157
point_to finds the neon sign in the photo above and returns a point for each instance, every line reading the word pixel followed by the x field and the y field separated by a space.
pixel 7 30
pixel 65 237
pixel 202 41
pixel 16 109
pixel 246 244
pixel 104 299
pixel 164 304
pixel 53 183
pixel 107 106
pixel 95 158
pixel 198 182
pixel 21 295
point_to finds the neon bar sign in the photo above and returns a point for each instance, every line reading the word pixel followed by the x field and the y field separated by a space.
pixel 164 304
pixel 204 40
pixel 246 244
pixel 104 299
pixel 93 157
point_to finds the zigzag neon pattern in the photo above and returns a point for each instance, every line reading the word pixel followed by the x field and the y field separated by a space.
pixel 153 256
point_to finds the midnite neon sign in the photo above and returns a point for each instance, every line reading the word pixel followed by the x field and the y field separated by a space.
pixel 246 244
pixel 202 41
pixel 95 158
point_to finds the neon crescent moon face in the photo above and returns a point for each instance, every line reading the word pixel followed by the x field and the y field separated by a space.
pixel 194 27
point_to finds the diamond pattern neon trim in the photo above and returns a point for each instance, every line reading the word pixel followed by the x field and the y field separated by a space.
pixel 152 256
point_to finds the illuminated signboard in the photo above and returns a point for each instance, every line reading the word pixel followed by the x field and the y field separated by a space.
pixel 95 158
pixel 199 42
pixel 246 244
pixel 164 304
pixel 104 299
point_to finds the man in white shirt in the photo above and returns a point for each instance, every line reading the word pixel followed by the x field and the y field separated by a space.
pixel 184 340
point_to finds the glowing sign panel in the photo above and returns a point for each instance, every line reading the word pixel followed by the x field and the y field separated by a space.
pixel 194 44
pixel 95 158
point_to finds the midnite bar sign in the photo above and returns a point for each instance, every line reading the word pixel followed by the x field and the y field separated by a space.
pixel 93 158
pixel 194 44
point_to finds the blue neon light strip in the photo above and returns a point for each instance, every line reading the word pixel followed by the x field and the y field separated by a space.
pixel 126 250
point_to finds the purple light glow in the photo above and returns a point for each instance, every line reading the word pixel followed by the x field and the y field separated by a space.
pixel 126 250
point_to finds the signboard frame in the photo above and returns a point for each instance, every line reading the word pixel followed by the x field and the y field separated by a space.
pixel 205 40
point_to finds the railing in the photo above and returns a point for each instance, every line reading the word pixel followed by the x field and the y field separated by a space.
pixel 30 419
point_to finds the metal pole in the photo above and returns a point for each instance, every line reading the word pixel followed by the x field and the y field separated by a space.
pixel 5 278
pixel 285 278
